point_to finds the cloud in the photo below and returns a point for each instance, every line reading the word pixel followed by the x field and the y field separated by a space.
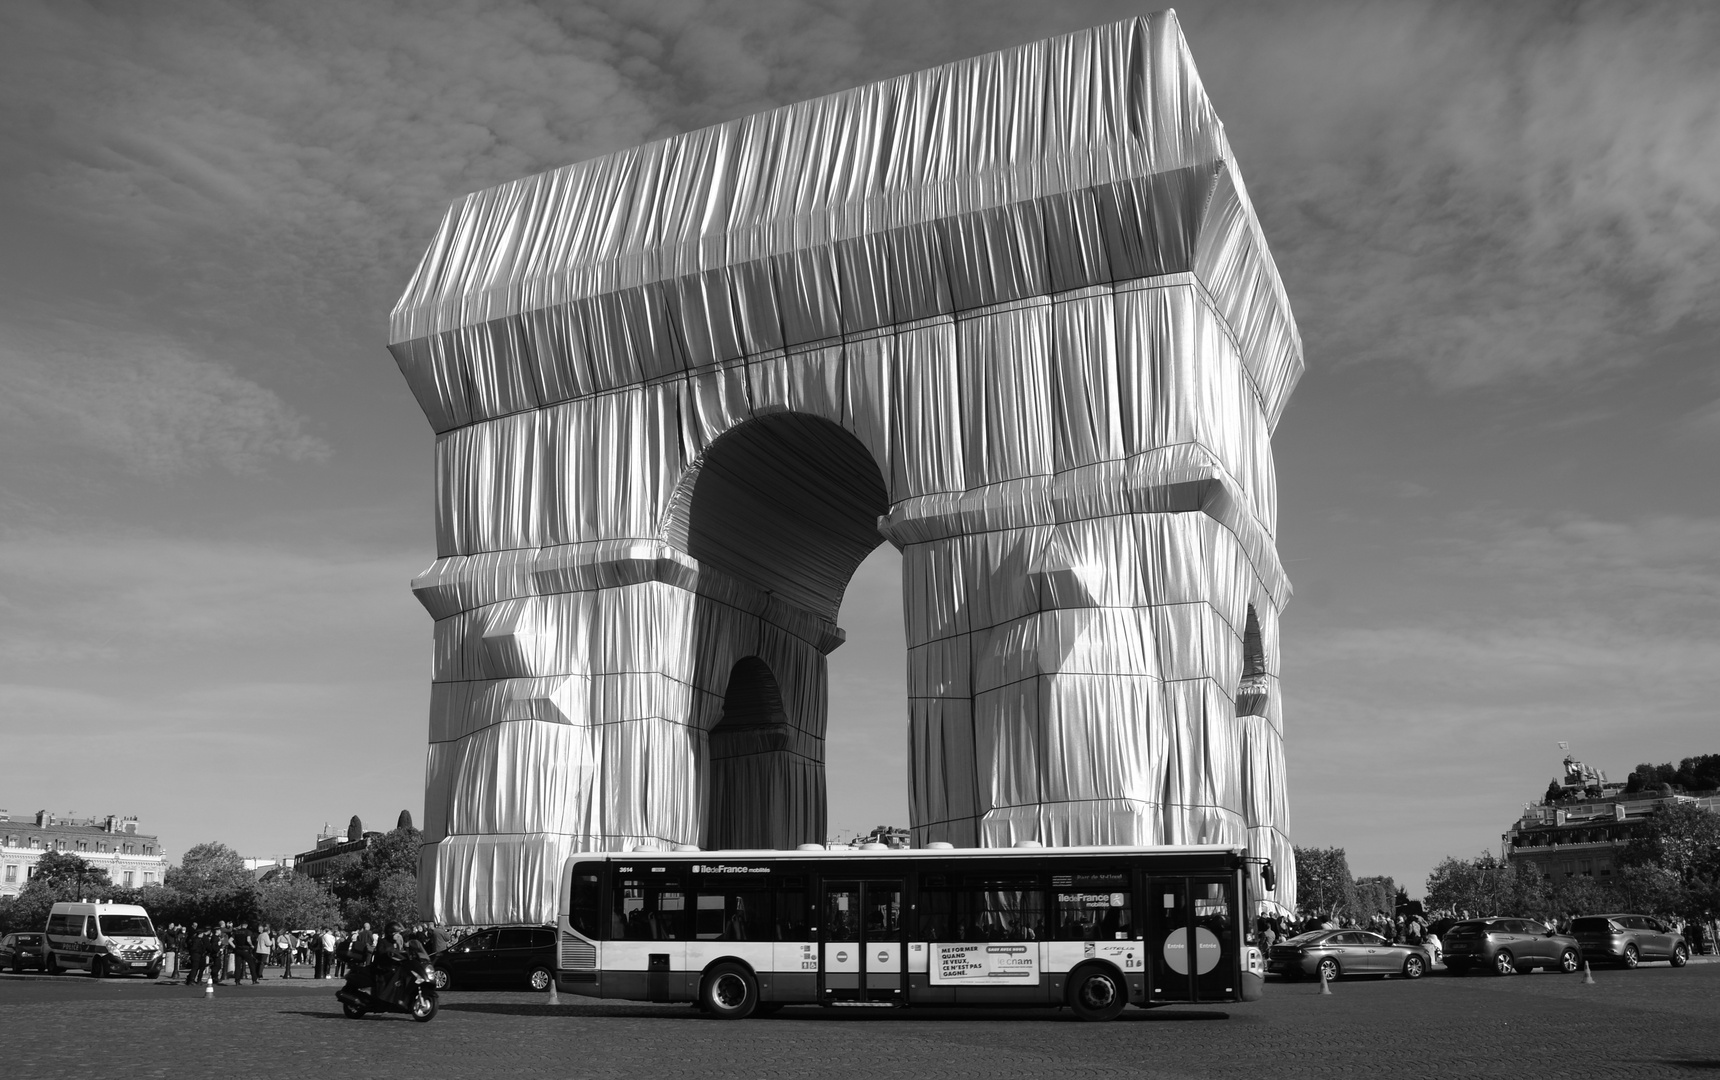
pixel 1483 194
pixel 150 406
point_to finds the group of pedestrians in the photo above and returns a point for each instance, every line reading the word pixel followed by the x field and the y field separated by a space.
pixel 1403 929
pixel 226 950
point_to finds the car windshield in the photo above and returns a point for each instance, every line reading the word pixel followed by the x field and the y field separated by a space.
pixel 126 926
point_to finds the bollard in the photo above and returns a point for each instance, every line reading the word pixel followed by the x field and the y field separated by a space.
pixel 1325 988
pixel 1588 976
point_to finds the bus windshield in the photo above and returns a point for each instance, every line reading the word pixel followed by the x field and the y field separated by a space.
pixel 126 926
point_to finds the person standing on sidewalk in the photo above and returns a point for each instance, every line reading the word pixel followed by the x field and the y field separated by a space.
pixel 287 941
pixel 244 951
pixel 221 951
pixel 327 940
pixel 195 955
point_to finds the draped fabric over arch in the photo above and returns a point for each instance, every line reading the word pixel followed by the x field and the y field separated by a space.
pixel 1014 315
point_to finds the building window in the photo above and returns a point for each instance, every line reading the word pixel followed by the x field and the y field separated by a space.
pixel 148 877
pixel 128 879
pixel 36 843
pixel 83 845
pixel 11 873
pixel 59 845
pixel 128 848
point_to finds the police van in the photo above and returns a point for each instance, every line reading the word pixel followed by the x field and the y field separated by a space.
pixel 102 939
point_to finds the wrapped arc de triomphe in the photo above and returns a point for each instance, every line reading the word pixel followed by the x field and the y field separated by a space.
pixel 1013 315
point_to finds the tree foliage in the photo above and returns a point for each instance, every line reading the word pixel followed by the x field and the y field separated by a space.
pixel 295 902
pixel 1672 866
pixel 1323 882
pixel 1376 894
pixel 59 876
pixel 1700 773
pixel 211 884
pixel 383 883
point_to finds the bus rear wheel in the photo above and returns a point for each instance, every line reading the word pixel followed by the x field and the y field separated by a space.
pixel 1097 994
pixel 729 992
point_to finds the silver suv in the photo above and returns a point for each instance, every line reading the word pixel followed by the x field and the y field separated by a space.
pixel 1509 945
pixel 1630 939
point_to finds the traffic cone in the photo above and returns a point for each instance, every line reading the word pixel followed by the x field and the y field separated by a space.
pixel 208 987
pixel 1325 988
pixel 1588 976
pixel 554 999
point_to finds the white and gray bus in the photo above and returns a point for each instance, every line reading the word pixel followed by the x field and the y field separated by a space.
pixel 745 932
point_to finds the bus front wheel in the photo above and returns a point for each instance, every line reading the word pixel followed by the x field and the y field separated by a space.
pixel 1097 993
pixel 729 992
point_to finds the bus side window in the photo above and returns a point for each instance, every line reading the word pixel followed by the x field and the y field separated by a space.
pixel 733 911
pixel 583 911
pixel 1004 909
pixel 937 915
pixel 791 921
pixel 648 910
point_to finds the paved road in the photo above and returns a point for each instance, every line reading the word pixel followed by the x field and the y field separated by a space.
pixel 1647 1023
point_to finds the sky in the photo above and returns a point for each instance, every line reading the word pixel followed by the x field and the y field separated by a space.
pixel 1498 225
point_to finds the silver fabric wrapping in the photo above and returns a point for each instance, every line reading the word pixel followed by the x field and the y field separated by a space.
pixel 1014 315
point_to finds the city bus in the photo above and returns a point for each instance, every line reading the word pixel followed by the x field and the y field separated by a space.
pixel 747 932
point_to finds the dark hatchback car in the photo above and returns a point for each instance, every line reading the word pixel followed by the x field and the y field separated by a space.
pixel 1630 940
pixel 18 951
pixel 506 956
pixel 1505 946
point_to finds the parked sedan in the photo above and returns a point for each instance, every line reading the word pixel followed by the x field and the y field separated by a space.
pixel 20 950
pixel 1630 939
pixel 516 956
pixel 1336 953
pixel 1505 946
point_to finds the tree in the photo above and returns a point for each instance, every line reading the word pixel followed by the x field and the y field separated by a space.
pixel 209 884
pixel 1682 841
pixel 383 884
pixel 210 867
pixel 1481 886
pixel 1323 883
pixel 1375 895
pixel 59 876
pixel 294 902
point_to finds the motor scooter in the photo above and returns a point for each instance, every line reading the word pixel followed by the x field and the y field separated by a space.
pixel 410 989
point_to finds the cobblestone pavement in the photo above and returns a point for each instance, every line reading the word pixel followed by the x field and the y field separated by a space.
pixel 1646 1023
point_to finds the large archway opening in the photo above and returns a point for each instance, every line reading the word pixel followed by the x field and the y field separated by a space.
pixel 783 511
pixel 789 504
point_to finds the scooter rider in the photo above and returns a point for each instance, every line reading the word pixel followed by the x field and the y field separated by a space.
pixel 386 961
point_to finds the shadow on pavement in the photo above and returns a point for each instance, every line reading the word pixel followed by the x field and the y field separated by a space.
pixel 818 1014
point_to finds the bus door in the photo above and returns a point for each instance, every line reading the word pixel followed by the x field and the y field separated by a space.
pixel 1191 939
pixel 862 953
